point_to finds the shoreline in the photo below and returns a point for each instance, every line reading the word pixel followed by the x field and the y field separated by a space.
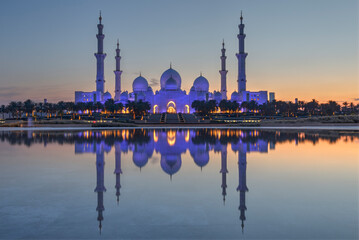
pixel 70 127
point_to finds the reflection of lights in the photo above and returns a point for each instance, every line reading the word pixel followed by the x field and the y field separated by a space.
pixel 187 136
pixel 171 137
pixel 155 136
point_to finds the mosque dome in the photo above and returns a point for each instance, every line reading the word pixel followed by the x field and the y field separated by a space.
pixel 217 94
pixel 124 96
pixel 140 84
pixel 106 96
pixel 201 84
pixel 170 73
pixel 171 84
pixel 234 96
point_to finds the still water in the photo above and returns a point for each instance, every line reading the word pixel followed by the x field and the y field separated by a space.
pixel 184 183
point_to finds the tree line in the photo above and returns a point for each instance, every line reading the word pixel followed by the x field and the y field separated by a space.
pixel 288 109
pixel 312 108
pixel 30 108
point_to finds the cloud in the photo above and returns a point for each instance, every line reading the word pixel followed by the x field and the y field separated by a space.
pixel 154 82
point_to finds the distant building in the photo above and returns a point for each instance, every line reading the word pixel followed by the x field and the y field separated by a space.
pixel 170 97
pixel 271 97
pixel 296 100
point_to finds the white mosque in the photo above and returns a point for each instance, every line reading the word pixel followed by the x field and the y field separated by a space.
pixel 170 97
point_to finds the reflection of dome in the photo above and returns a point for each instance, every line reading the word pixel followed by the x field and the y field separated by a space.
pixel 171 164
pixel 234 96
pixel 124 96
pixel 201 159
pixel 199 154
pixel 106 96
pixel 170 73
pixel 171 84
pixel 140 159
pixel 201 84
pixel 140 84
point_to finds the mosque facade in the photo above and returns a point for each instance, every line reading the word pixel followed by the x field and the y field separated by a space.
pixel 171 97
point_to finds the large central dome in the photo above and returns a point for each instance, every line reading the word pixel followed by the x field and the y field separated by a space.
pixel 170 73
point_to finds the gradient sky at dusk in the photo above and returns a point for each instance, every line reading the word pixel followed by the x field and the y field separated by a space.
pixel 306 49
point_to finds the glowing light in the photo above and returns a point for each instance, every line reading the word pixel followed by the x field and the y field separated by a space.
pixel 187 136
pixel 171 137
pixel 155 136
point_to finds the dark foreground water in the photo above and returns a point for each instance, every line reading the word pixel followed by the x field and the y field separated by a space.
pixel 237 184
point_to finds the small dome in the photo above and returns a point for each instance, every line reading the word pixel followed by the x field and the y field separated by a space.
pixel 234 96
pixel 217 94
pixel 201 84
pixel 107 96
pixel 124 96
pixel 140 84
pixel 171 84
pixel 170 73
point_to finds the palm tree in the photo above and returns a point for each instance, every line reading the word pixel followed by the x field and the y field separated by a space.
pixel 345 108
pixel 3 109
pixel 12 107
pixel 29 107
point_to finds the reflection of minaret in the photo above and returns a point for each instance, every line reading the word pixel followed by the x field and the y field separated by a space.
pixel 242 185
pixel 224 171
pixel 118 170
pixel 100 187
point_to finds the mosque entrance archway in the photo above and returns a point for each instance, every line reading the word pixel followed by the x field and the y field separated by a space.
pixel 186 109
pixel 155 109
pixel 171 107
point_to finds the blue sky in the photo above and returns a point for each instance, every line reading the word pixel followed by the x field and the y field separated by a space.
pixel 306 49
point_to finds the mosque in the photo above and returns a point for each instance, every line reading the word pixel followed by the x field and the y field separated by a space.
pixel 170 97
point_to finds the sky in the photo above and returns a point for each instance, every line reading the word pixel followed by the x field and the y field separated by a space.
pixel 298 49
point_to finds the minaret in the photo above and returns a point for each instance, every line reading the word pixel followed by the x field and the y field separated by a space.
pixel 118 73
pixel 241 56
pixel 118 170
pixel 223 73
pixel 224 171
pixel 100 186
pixel 100 57
pixel 242 185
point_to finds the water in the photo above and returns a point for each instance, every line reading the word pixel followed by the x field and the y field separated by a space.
pixel 185 183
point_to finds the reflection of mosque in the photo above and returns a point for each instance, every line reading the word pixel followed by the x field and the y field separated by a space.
pixel 171 144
